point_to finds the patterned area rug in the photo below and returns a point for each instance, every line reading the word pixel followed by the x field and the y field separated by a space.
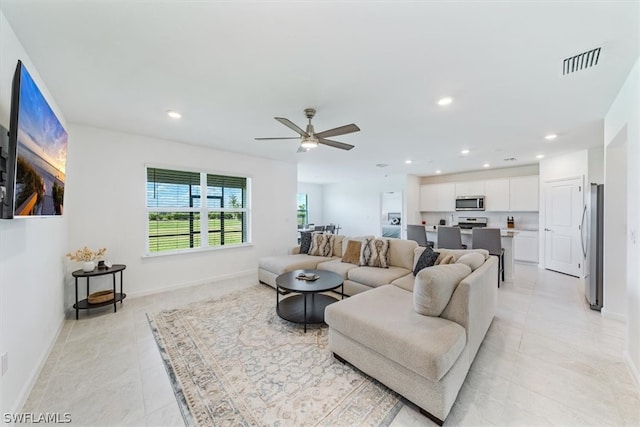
pixel 234 361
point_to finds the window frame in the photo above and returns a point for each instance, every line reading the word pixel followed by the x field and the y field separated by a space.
pixel 203 210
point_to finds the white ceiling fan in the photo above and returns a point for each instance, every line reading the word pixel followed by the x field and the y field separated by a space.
pixel 309 139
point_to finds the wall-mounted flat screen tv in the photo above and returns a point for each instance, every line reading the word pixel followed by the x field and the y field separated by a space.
pixel 41 150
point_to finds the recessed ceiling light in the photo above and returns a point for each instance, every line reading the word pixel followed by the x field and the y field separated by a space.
pixel 408 162
pixel 438 171
pixel 486 165
pixel 173 114
pixel 464 152
pixel 382 165
pixel 540 156
pixel 551 137
pixel 445 101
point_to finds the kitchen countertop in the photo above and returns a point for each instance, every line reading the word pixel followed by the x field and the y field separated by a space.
pixel 504 232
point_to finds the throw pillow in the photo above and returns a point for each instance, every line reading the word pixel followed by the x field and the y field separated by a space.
pixel 473 260
pixel 305 242
pixel 352 254
pixel 321 245
pixel 449 259
pixel 427 259
pixel 374 253
pixel 434 286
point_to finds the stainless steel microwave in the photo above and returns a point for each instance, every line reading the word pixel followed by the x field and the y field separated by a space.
pixel 470 203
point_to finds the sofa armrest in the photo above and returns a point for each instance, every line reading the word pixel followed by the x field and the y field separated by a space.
pixel 295 250
pixel 474 303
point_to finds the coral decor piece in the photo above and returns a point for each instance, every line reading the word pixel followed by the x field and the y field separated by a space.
pixel 85 254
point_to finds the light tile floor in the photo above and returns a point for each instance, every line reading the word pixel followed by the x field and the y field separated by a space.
pixel 547 360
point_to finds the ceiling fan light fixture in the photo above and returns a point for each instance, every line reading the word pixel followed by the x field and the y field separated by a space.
pixel 309 142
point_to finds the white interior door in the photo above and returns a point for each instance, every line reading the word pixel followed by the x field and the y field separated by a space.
pixel 563 214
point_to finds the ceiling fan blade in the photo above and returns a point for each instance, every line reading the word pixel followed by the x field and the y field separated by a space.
pixel 342 130
pixel 288 123
pixel 281 137
pixel 335 144
pixel 301 149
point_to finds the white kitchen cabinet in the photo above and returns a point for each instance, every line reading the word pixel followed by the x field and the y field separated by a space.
pixel 523 194
pixel 496 195
pixel 525 246
pixel 470 188
pixel 437 197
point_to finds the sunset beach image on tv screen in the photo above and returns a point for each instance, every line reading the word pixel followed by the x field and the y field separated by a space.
pixel 42 154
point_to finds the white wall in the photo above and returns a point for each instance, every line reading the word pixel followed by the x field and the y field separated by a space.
pixel 482 175
pixel 31 261
pixel 356 205
pixel 106 207
pixel 623 121
pixel 412 200
pixel 596 165
pixel 315 200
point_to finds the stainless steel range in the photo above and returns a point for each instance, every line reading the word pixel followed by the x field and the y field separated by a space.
pixel 472 222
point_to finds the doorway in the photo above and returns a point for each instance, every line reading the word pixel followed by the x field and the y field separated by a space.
pixel 564 206
pixel 391 215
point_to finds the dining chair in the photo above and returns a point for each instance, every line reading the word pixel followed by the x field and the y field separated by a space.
pixel 318 228
pixel 418 234
pixel 450 238
pixel 331 229
pixel 489 239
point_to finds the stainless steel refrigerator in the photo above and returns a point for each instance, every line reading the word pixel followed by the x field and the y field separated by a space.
pixel 592 233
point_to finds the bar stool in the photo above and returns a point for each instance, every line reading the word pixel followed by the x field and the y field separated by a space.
pixel 450 238
pixel 418 234
pixel 489 239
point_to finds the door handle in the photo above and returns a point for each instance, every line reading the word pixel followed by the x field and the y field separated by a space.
pixel 582 234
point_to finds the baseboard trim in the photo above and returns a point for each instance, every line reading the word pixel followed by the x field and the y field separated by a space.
pixel 28 388
pixel 192 283
pixel 613 316
pixel 635 373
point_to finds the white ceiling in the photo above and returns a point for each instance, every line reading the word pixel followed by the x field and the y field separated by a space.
pixel 230 67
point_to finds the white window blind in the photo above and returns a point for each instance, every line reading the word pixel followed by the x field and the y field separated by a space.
pixel 176 209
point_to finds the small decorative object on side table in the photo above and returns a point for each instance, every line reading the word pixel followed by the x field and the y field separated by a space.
pixel 87 257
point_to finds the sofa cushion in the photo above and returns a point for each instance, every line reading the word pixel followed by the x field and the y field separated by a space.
pixel 473 260
pixel 347 239
pixel 447 259
pixel 352 253
pixel 336 266
pixel 337 245
pixel 305 242
pixel 401 253
pixel 427 259
pixel 382 320
pixel 374 276
pixel 405 282
pixel 321 244
pixel 284 263
pixel 434 287
pixel 374 253
pixel 457 253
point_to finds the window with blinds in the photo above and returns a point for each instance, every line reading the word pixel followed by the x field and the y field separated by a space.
pixel 181 219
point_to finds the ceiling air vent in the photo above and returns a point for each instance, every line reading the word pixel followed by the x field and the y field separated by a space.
pixel 581 61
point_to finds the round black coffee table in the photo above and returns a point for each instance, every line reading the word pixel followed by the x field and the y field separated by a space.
pixel 308 305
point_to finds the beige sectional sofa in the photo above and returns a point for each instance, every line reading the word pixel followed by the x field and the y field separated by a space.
pixel 418 335
pixel 423 358
pixel 357 279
